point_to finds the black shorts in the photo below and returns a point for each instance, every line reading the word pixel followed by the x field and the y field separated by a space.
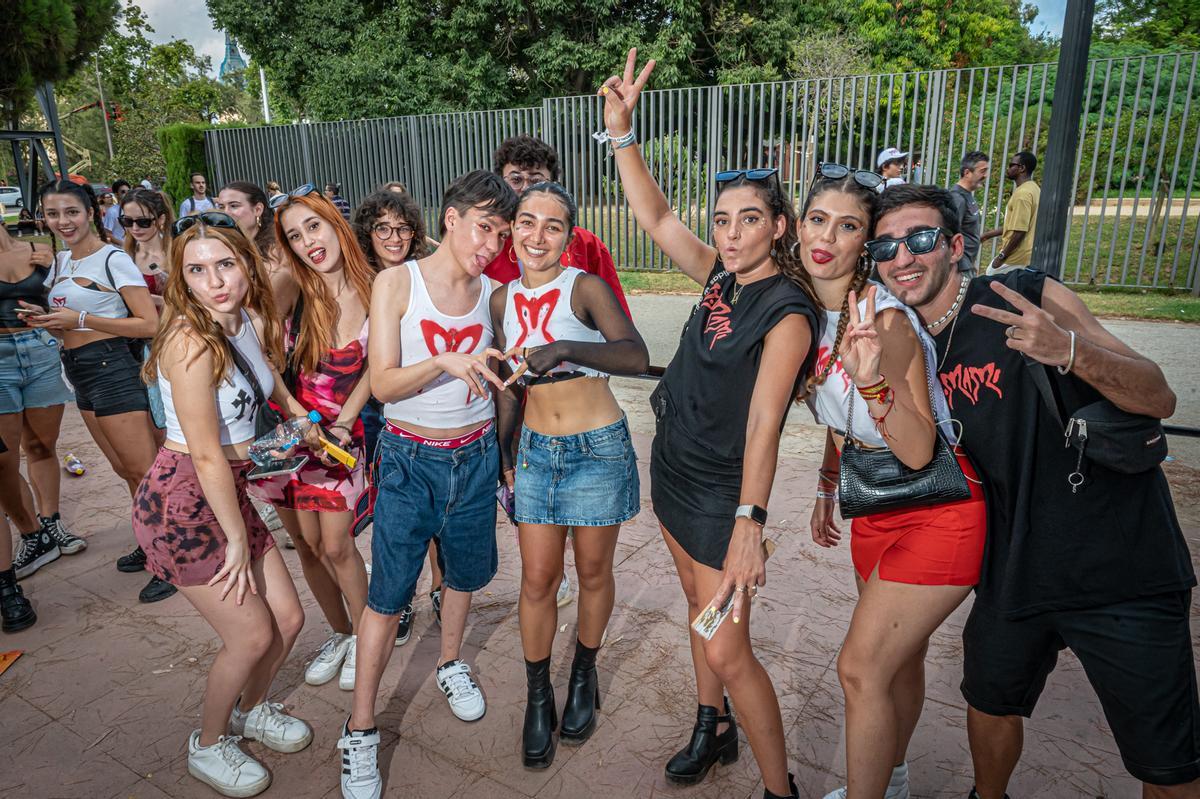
pixel 1137 655
pixel 106 377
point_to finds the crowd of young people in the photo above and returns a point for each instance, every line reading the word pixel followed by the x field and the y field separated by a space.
pixel 475 366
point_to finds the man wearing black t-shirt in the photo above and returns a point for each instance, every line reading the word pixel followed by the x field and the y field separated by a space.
pixel 1103 569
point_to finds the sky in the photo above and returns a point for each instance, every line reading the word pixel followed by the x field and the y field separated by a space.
pixel 189 20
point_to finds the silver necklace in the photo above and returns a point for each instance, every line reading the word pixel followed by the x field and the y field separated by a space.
pixel 962 292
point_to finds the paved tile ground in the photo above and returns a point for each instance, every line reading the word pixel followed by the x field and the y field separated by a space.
pixel 102 702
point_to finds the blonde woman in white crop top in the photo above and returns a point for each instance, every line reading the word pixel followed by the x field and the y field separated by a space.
pixel 192 514
pixel 575 466
pixel 100 307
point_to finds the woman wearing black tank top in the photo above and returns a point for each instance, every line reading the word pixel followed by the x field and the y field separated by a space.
pixel 32 395
pixel 721 407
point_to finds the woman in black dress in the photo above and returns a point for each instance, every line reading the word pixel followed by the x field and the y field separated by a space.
pixel 720 408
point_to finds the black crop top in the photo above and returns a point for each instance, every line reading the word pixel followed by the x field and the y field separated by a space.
pixel 31 289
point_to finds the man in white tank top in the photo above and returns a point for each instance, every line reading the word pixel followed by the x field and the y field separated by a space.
pixel 428 353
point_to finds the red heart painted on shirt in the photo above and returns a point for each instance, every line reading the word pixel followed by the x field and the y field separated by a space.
pixel 453 340
pixel 59 302
pixel 530 314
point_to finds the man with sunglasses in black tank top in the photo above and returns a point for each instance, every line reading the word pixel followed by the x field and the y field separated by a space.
pixel 1098 565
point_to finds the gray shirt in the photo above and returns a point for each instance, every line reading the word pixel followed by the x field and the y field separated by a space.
pixel 970 222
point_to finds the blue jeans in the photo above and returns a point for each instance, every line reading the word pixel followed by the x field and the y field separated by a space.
pixel 30 372
pixel 425 493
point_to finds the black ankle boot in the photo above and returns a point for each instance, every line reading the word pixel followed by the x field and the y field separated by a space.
pixel 583 697
pixel 15 610
pixel 537 736
pixel 795 793
pixel 706 747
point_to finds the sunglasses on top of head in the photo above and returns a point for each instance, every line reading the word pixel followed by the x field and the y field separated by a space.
pixel 918 242
pixel 281 200
pixel 210 218
pixel 863 177
pixel 128 222
pixel 728 175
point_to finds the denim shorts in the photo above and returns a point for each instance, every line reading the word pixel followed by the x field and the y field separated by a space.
pixel 431 493
pixel 583 480
pixel 30 372
pixel 107 378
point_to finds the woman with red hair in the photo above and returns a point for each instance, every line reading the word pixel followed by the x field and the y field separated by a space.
pixel 325 335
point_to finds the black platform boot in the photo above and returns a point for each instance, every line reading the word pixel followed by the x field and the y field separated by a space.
pixel 17 613
pixel 706 747
pixel 795 793
pixel 537 736
pixel 583 697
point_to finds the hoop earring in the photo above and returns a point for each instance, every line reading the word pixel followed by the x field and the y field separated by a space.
pixel 512 256
pixel 794 250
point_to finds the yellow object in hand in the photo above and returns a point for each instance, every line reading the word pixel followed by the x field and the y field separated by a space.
pixel 338 453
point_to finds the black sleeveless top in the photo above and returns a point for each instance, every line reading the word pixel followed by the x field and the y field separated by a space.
pixel 31 289
pixel 1047 548
pixel 708 385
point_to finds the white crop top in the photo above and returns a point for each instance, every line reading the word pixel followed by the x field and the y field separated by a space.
pixel 829 402
pixel 536 317
pixel 234 397
pixel 425 332
pixel 67 292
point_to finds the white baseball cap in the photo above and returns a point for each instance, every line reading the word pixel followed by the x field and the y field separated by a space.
pixel 889 154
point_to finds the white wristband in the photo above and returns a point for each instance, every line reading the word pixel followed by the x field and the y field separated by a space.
pixel 82 316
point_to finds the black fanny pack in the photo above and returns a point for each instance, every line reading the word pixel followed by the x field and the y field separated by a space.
pixel 1104 434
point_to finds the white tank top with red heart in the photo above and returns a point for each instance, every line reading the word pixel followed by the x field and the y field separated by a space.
pixel 426 332
pixel 537 317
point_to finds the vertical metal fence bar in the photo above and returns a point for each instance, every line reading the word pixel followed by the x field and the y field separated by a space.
pixel 1037 126
pixel 1087 205
pixel 1087 100
pixel 1133 119
pixel 1137 203
pixel 1183 122
pixel 998 207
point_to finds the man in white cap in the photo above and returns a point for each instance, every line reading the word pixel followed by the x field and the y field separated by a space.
pixel 891 162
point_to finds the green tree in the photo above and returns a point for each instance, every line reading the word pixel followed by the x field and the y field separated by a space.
pixel 46 40
pixel 336 59
pixel 1155 23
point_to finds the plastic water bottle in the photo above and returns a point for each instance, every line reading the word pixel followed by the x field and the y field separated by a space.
pixel 284 437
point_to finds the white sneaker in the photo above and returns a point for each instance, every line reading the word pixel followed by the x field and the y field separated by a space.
pixel 268 723
pixel 465 698
pixel 346 681
pixel 565 595
pixel 360 771
pixel 897 786
pixel 225 768
pixel 325 665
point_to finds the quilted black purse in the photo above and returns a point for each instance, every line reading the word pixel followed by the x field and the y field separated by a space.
pixel 875 480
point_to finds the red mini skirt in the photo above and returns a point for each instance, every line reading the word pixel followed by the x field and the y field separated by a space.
pixel 931 545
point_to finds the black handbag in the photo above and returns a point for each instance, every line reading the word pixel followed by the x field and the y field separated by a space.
pixel 875 480
pixel 1104 434
pixel 266 418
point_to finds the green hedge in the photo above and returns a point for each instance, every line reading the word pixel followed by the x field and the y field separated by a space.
pixel 183 150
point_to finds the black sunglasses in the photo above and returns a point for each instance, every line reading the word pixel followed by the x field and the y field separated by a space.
pixel 864 177
pixel 281 200
pixel 727 175
pixel 210 218
pixel 918 243
pixel 128 222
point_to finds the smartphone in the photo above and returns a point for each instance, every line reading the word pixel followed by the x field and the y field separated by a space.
pixel 507 500
pixel 282 466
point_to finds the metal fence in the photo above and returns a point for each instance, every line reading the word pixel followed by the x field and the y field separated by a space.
pixel 1137 202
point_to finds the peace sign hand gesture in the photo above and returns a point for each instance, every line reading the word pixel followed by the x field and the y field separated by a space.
pixel 1031 330
pixel 621 95
pixel 860 349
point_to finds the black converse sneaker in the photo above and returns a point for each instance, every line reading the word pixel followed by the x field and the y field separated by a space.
pixel 135 561
pixel 68 542
pixel 36 550
pixel 404 628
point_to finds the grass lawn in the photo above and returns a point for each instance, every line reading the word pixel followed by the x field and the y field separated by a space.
pixel 1130 303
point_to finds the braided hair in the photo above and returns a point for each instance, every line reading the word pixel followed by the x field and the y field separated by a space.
pixel 868 198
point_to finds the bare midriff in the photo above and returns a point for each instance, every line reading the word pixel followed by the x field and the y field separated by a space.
pixel 571 406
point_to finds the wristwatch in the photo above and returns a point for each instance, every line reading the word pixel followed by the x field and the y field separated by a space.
pixel 754 513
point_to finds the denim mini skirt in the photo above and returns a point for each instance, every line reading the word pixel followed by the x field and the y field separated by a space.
pixel 588 479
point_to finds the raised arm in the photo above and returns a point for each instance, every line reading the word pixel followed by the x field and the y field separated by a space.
pixel 650 207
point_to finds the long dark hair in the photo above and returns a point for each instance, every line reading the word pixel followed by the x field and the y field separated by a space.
pixel 784 250
pixel 86 196
pixel 264 240
pixel 395 202
pixel 869 199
